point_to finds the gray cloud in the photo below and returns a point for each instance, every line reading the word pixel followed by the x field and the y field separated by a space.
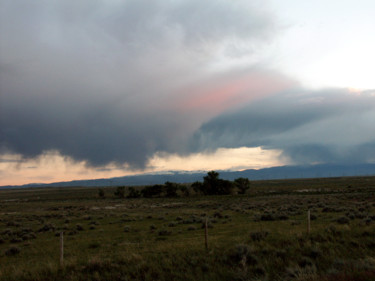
pixel 318 126
pixel 94 79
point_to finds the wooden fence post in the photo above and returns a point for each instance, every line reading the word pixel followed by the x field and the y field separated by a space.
pixel 206 233
pixel 308 222
pixel 61 248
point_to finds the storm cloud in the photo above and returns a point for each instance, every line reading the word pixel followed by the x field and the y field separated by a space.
pixel 103 81
pixel 116 82
pixel 326 126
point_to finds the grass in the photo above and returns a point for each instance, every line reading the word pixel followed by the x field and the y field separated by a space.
pixel 261 235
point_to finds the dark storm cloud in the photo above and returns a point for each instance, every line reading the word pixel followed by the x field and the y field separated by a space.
pixel 308 127
pixel 92 79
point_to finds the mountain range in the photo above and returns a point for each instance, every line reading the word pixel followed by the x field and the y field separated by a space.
pixel 281 172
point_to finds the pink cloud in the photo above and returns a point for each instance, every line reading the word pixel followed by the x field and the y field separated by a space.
pixel 223 93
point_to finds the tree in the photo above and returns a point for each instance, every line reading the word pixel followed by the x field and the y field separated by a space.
pixel 120 192
pixel 197 187
pixel 101 193
pixel 211 178
pixel 133 193
pixel 152 191
pixel 212 185
pixel 224 187
pixel 171 189
pixel 184 190
pixel 243 184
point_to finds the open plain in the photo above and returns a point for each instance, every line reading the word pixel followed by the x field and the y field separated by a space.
pixel 264 234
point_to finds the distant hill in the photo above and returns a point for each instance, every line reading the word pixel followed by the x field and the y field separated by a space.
pixel 282 172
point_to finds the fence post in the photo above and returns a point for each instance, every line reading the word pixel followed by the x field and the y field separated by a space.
pixel 206 233
pixel 61 248
pixel 308 222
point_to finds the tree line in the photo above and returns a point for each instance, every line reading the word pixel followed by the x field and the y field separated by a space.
pixel 211 185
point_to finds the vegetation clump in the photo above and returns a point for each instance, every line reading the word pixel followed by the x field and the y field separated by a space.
pixel 242 255
pixel 243 184
pixel 47 227
pixel 171 189
pixel 79 227
pixel 133 193
pixel 258 235
pixel 101 193
pixel 120 192
pixel 12 251
pixel 164 232
pixel 152 191
pixel 211 185
pixel 343 220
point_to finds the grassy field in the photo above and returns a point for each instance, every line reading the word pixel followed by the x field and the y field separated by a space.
pixel 261 235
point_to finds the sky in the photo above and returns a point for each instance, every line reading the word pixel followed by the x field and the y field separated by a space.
pixel 96 89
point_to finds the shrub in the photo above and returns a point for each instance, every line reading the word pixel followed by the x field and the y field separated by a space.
pixel 47 227
pixel 343 220
pixel 171 189
pixel 242 255
pixel 258 236
pixel 243 184
pixel 12 223
pixel 331 229
pixel 267 217
pixel 305 261
pixel 281 254
pixel 133 193
pixel 101 193
pixel 185 191
pixel 283 217
pixel 16 240
pixel 367 220
pixel 188 221
pixel 301 273
pixel 120 192
pixel 164 232
pixel 259 271
pixel 218 215
pixel 12 251
pixel 152 191
pixel 313 253
pixel 7 231
pixel 197 187
pixel 94 245
pixel 360 215
pixel 79 227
